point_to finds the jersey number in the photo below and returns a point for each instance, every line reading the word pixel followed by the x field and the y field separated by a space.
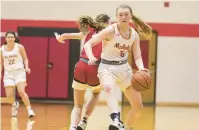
pixel 11 62
pixel 122 53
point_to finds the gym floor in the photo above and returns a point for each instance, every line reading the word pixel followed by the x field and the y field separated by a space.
pixel 57 117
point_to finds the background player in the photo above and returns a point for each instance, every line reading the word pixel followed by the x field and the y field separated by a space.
pixel 14 59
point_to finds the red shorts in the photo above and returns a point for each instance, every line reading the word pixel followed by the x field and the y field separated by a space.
pixel 86 74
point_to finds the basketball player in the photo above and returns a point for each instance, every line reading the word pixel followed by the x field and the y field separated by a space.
pixel 85 76
pixel 114 69
pixel 15 63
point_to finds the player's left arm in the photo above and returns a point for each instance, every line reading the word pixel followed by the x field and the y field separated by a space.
pixel 137 53
pixel 24 55
pixel 106 33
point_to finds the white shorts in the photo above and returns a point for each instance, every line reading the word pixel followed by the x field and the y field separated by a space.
pixel 13 77
pixel 121 73
pixel 81 86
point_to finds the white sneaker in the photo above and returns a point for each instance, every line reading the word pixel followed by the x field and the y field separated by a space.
pixel 73 128
pixel 31 113
pixel 14 109
pixel 82 125
pixel 116 125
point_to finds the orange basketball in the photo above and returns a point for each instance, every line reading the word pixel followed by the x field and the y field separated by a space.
pixel 141 80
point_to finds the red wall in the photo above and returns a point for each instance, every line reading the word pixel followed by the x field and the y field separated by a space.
pixel 163 29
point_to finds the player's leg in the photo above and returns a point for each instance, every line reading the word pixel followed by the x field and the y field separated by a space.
pixel 89 108
pixel 24 96
pixel 79 85
pixel 9 84
pixel 10 94
pixel 93 82
pixel 79 92
pixel 94 85
pixel 108 83
pixel 92 101
pixel 134 99
pixel 20 81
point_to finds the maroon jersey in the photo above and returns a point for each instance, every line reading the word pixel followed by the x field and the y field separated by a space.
pixel 97 49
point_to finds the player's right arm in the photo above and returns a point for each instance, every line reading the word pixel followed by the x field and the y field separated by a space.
pixel 1 63
pixel 65 36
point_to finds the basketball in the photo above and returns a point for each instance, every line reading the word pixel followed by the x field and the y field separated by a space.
pixel 141 80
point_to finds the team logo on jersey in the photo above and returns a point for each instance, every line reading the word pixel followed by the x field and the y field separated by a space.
pixel 10 56
pixel 123 47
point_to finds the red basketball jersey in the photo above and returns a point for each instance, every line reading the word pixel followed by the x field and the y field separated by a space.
pixel 97 49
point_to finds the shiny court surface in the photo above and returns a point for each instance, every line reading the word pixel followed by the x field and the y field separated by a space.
pixel 57 117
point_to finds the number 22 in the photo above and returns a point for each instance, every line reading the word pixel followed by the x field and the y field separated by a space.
pixel 11 62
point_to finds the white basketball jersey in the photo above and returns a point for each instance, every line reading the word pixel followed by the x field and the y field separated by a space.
pixel 117 48
pixel 12 59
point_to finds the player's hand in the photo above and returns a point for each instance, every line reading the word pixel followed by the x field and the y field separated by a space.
pixel 92 60
pixel 144 69
pixel 28 70
pixel 59 37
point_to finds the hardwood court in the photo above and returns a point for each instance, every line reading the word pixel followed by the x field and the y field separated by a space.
pixel 57 117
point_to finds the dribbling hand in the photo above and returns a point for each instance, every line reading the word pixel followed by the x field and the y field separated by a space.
pixel 144 69
pixel 58 37
pixel 92 60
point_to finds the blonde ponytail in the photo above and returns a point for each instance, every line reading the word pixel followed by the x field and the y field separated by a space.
pixel 86 21
pixel 142 28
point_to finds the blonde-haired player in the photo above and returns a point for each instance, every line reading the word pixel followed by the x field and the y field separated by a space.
pixel 85 76
pixel 13 59
pixel 114 69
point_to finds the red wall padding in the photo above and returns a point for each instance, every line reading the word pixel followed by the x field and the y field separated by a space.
pixel 36 49
pixel 58 75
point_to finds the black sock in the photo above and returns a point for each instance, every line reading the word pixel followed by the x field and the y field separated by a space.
pixel 84 119
pixel 115 116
